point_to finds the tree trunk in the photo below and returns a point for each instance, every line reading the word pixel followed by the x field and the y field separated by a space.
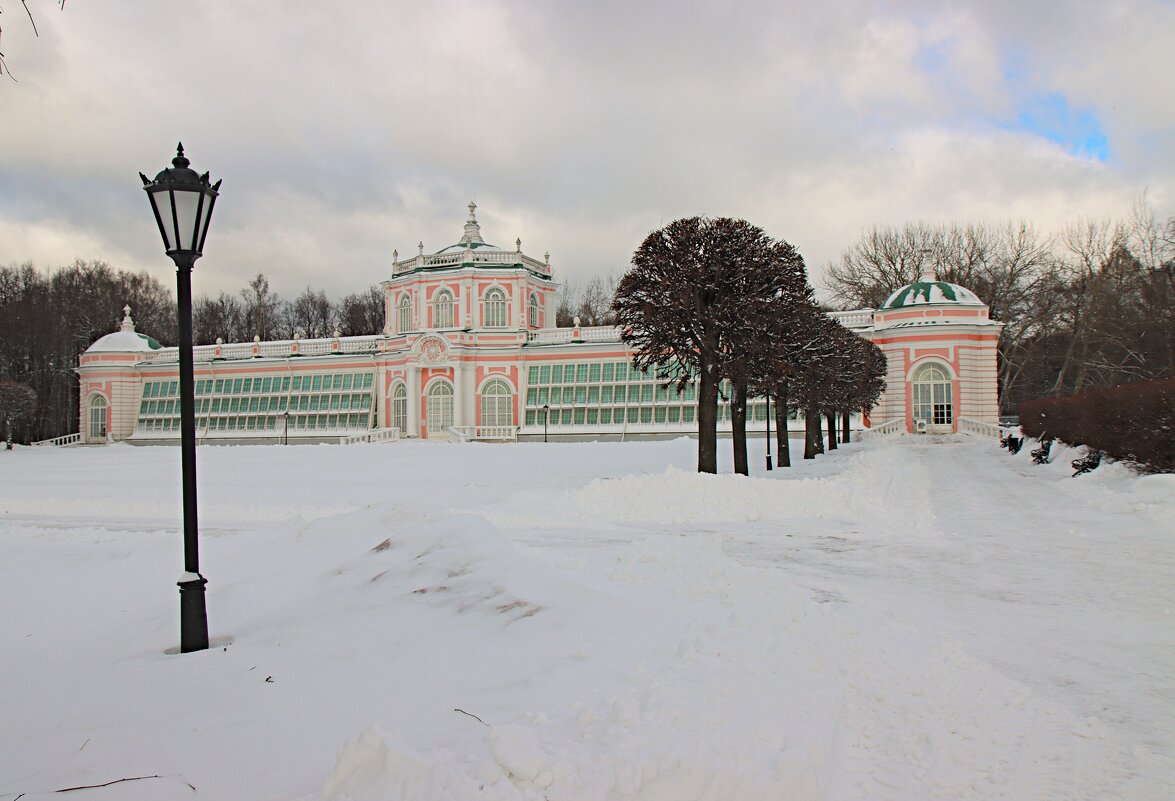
pixel 844 421
pixel 707 420
pixel 782 449
pixel 831 416
pixel 812 433
pixel 738 427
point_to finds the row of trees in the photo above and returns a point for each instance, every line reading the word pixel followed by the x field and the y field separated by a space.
pixel 1090 306
pixel 47 320
pixel 257 311
pixel 719 299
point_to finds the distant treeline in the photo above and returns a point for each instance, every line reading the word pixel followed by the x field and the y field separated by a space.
pixel 1091 306
pixel 48 319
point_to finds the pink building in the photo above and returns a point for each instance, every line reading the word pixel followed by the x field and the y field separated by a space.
pixel 469 350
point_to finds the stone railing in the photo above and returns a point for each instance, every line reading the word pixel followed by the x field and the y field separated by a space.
pixel 978 428
pixel 484 433
pixel 857 318
pixel 280 349
pixel 558 336
pixel 58 442
pixel 887 429
pixel 375 435
pixel 469 256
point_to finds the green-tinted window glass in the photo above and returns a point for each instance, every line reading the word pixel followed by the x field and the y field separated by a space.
pixel 593 394
pixel 173 388
pixel 581 373
pixel 253 404
pixel 368 380
pixel 246 385
pixel 267 384
pixel 622 371
pixel 633 411
pixel 366 402
pixel 297 383
pixel 345 403
pixel 646 393
pixel 314 403
pixel 532 374
pixel 606 415
pixel 143 407
pixel 264 407
pixel 285 383
pixel 760 412
pixel 594 371
pixel 593 415
pixel 531 394
pixel 605 394
pixel 674 414
pixel 316 383
pixel 338 381
pixel 545 374
pixel 579 417
pixel 530 415
pixel 646 414
pixel 347 381
pixel 543 396
pixel 568 396
pixel 556 374
pixel 620 393
pixel 691 391
pixel 567 417
pixel 659 415
pixel 218 387
pixel 609 371
pixel 581 395
pixel 334 402
pixel 662 393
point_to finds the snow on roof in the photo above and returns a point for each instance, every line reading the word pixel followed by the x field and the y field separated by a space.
pixel 925 293
pixel 124 342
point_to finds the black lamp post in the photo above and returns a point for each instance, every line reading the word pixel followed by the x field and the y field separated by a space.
pixel 182 202
pixel 546 414
pixel 285 428
pixel 769 431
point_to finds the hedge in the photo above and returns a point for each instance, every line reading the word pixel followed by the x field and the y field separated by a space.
pixel 1131 421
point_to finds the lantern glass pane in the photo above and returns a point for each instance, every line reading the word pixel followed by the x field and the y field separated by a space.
pixel 185 207
pixel 162 208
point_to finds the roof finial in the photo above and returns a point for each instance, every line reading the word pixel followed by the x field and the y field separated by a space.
pixel 928 273
pixel 420 247
pixel 395 255
pixel 472 229
pixel 518 244
pixel 127 323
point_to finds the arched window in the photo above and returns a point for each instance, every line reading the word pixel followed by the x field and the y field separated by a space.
pixel 98 407
pixel 532 311
pixel 404 321
pixel 440 410
pixel 497 404
pixel 400 408
pixel 442 309
pixel 495 308
pixel 931 386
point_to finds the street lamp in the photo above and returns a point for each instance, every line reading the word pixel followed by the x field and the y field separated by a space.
pixel 546 414
pixel 769 431
pixel 182 202
pixel 285 428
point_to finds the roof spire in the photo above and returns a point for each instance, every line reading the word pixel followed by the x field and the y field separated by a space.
pixel 472 229
pixel 127 323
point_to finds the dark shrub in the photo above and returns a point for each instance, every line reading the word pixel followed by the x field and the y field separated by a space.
pixel 1131 421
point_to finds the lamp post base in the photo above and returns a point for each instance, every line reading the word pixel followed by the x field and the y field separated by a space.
pixel 193 615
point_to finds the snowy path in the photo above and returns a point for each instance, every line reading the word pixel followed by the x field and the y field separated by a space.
pixel 894 621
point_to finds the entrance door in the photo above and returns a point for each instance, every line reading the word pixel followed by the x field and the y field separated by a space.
pixel 933 399
pixel 440 410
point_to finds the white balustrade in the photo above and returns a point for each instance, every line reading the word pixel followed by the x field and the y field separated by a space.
pixel 58 442
pixel 978 428
pixel 887 429
pixel 375 435
pixel 484 433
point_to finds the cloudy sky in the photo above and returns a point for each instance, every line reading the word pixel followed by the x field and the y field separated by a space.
pixel 345 130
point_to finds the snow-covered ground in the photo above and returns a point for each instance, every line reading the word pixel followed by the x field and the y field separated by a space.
pixel 900 620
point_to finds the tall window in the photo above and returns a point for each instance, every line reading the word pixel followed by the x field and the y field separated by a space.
pixel 442 309
pixel 440 410
pixel 932 396
pixel 532 311
pixel 495 308
pixel 404 321
pixel 98 407
pixel 400 408
pixel 497 404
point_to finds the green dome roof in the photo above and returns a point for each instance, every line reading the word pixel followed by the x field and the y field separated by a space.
pixel 931 292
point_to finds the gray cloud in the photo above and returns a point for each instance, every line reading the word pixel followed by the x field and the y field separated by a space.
pixel 342 133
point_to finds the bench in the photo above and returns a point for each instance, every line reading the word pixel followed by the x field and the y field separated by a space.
pixel 1041 455
pixel 1087 463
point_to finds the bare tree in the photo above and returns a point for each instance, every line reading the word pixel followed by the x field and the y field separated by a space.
pixel 362 313
pixel 310 315
pixel 262 310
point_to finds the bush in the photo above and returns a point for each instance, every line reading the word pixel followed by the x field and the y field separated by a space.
pixel 1131 421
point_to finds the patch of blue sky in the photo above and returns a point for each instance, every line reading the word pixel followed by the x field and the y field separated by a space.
pixel 1052 117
